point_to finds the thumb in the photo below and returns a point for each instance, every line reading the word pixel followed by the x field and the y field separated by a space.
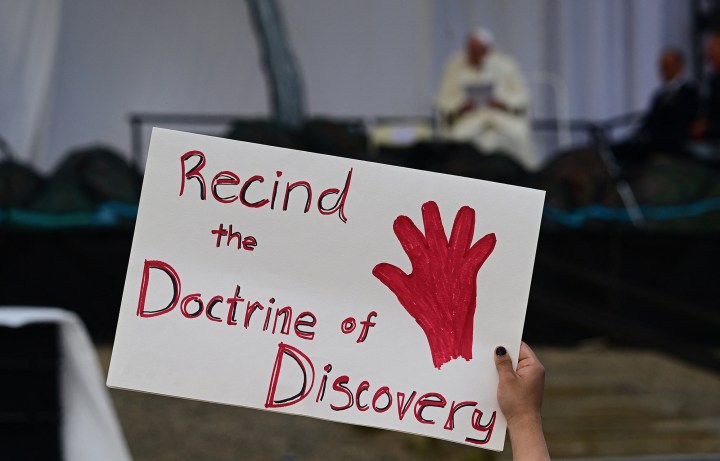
pixel 503 363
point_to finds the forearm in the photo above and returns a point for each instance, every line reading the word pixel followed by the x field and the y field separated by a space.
pixel 528 440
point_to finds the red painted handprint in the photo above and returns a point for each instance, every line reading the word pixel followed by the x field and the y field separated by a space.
pixel 440 292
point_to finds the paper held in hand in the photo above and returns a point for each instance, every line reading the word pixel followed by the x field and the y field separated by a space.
pixel 480 94
pixel 320 286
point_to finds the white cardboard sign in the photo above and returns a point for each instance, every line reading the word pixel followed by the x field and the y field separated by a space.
pixel 314 285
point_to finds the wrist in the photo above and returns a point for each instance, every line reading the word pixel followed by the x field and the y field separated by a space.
pixel 525 421
pixel 527 438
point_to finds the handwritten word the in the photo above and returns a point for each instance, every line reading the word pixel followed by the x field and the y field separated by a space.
pixel 359 397
pixel 302 327
pixel 225 187
pixel 248 243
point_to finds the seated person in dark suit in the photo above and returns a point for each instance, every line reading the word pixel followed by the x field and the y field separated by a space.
pixel 666 125
pixel 706 129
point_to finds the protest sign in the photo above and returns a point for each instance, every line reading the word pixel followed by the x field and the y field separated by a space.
pixel 327 287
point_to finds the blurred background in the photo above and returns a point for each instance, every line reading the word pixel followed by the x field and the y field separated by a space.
pixel 611 106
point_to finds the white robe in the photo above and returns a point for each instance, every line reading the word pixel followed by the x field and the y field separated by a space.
pixel 490 129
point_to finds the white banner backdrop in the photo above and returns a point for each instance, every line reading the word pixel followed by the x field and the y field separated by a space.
pixel 28 49
pixel 72 70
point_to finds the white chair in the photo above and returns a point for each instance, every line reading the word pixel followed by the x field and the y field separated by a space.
pixel 89 426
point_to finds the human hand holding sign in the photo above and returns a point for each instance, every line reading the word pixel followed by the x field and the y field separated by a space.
pixel 520 395
pixel 440 291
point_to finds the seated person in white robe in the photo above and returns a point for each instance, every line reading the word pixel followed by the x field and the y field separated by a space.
pixel 483 99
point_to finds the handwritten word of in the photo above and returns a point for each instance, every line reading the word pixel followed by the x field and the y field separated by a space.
pixel 348 326
pixel 225 187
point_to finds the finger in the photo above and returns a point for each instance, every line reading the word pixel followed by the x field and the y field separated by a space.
pixel 462 231
pixel 527 353
pixel 411 239
pixel 434 231
pixel 503 363
pixel 479 252
pixel 528 358
pixel 391 276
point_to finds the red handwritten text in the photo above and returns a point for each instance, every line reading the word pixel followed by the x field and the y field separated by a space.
pixel 226 187
pixel 362 397
pixel 247 243
pixel 194 305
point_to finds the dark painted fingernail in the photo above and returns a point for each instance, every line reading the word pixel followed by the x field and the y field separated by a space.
pixel 500 351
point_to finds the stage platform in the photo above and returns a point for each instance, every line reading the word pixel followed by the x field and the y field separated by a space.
pixel 632 288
